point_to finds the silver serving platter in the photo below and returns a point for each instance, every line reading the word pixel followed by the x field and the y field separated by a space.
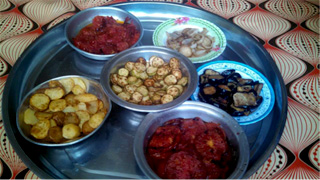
pixel 109 152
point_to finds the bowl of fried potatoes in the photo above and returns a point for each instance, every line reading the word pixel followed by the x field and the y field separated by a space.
pixel 63 111
pixel 149 78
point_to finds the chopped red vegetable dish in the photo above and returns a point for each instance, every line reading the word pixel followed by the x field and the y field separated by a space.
pixel 106 36
pixel 190 149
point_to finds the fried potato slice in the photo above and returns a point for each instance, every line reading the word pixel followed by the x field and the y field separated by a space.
pixel 29 117
pixel 54 83
pixel 53 123
pixel 80 82
pixel 86 128
pixel 100 104
pixel 87 97
pixel 69 109
pixel 70 99
pixel 39 101
pixel 40 129
pixel 58 117
pixel 67 84
pixel 96 119
pixel 55 93
pixel 76 90
pixel 57 105
pixel 71 118
pixel 81 106
pixel 83 117
pixel 93 106
pixel 70 131
pixel 55 134
pixel 43 115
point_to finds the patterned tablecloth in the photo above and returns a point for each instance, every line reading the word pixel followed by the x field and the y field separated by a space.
pixel 288 30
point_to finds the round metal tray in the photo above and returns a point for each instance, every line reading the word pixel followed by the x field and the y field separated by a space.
pixel 109 153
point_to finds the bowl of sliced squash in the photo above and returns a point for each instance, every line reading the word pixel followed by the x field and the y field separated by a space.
pixel 63 111
pixel 149 78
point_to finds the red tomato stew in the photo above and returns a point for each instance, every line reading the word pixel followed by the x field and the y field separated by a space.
pixel 190 149
pixel 107 36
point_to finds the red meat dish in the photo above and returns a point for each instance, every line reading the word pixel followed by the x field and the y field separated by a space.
pixel 211 145
pixel 106 36
pixel 163 140
pixel 181 165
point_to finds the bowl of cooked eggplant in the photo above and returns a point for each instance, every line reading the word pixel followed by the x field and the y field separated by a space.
pixel 149 78
pixel 240 90
pixel 63 111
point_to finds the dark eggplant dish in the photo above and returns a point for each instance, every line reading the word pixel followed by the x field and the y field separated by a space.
pixel 229 91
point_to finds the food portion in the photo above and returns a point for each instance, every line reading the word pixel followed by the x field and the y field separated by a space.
pixel 64 111
pixel 149 82
pixel 107 36
pixel 190 149
pixel 230 92
pixel 191 42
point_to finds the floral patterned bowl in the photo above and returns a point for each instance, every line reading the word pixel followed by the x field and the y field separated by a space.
pixel 163 31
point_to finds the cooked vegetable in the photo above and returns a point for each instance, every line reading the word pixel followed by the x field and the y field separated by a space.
pixel 29 117
pixel 55 116
pixel 57 105
pixel 229 91
pixel 86 128
pixel 43 115
pixel 55 93
pixel 71 118
pixel 87 97
pixel 191 42
pixel 148 81
pixel 40 129
pixel 67 84
pixel 70 131
pixel 96 119
pixel 39 102
pixel 55 134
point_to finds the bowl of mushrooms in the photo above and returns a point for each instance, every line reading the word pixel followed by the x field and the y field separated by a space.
pixel 63 111
pixel 195 38
pixel 149 78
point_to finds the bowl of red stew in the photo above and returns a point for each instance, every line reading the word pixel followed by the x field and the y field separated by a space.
pixel 101 32
pixel 192 141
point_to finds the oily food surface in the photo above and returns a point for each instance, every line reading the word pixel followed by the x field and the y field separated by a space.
pixel 230 92
pixel 151 82
pixel 64 111
pixel 106 36
pixel 190 149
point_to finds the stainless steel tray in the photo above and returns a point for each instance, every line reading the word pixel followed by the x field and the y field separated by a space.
pixel 109 153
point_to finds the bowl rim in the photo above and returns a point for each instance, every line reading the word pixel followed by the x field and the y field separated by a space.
pixel 100 57
pixel 259 74
pixel 202 59
pixel 105 82
pixel 139 139
pixel 71 142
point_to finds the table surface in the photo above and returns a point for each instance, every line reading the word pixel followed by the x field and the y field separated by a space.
pixel 288 30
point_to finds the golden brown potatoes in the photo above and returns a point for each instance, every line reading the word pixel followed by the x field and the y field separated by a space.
pixel 40 129
pixel 55 93
pixel 70 131
pixel 86 128
pixel 39 102
pixel 62 112
pixel 55 134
